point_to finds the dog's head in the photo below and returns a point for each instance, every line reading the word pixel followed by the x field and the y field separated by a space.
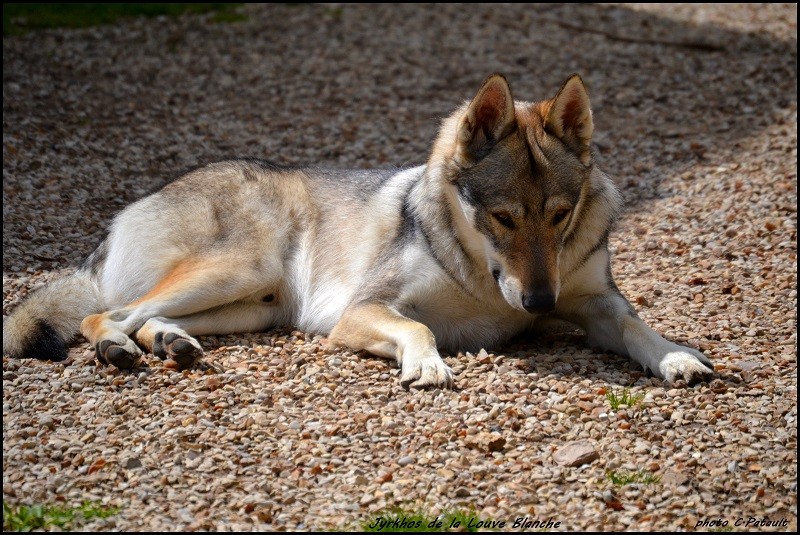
pixel 520 173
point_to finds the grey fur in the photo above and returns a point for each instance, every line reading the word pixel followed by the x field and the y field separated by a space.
pixel 61 306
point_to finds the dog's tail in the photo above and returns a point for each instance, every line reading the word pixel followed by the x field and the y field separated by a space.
pixel 43 324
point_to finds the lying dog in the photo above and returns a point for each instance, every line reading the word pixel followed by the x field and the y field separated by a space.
pixel 508 221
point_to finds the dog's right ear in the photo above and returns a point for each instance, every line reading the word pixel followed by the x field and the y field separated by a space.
pixel 488 119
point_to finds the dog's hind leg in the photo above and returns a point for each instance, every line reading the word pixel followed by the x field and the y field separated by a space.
pixel 173 337
pixel 193 285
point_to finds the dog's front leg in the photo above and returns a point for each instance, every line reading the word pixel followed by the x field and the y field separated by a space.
pixel 377 328
pixel 612 324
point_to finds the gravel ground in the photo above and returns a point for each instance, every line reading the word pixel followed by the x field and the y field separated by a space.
pixel 696 117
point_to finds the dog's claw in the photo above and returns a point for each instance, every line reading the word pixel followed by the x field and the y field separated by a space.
pixel 428 372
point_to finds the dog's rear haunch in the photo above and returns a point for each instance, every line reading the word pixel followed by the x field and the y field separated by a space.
pixel 507 221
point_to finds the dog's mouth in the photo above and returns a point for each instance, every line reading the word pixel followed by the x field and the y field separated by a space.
pixel 508 289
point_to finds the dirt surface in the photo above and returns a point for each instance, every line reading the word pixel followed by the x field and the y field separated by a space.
pixel 695 114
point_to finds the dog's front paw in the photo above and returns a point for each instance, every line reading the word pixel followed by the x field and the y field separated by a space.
pixel 685 363
pixel 423 372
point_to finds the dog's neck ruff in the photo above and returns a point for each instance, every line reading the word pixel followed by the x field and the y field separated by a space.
pixel 449 232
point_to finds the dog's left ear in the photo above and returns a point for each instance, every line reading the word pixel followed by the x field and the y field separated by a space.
pixel 570 117
pixel 488 119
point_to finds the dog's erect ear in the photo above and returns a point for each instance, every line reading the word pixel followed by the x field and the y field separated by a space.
pixel 488 119
pixel 570 117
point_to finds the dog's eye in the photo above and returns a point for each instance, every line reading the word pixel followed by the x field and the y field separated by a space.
pixel 560 215
pixel 504 218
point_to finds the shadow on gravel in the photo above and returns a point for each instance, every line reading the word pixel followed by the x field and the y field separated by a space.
pixel 557 353
pixel 666 95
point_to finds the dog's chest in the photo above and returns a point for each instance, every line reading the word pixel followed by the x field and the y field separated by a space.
pixel 460 316
pixel 461 325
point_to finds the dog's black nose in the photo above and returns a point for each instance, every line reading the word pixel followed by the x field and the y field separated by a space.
pixel 539 302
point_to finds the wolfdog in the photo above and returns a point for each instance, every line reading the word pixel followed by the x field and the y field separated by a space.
pixel 506 223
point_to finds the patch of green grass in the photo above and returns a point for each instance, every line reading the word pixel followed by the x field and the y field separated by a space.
pixel 626 478
pixel 20 18
pixel 336 13
pixel 397 520
pixel 626 398
pixel 30 517
pixel 722 528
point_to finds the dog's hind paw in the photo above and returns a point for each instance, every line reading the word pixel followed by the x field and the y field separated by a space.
pixel 685 363
pixel 184 350
pixel 122 354
pixel 426 372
